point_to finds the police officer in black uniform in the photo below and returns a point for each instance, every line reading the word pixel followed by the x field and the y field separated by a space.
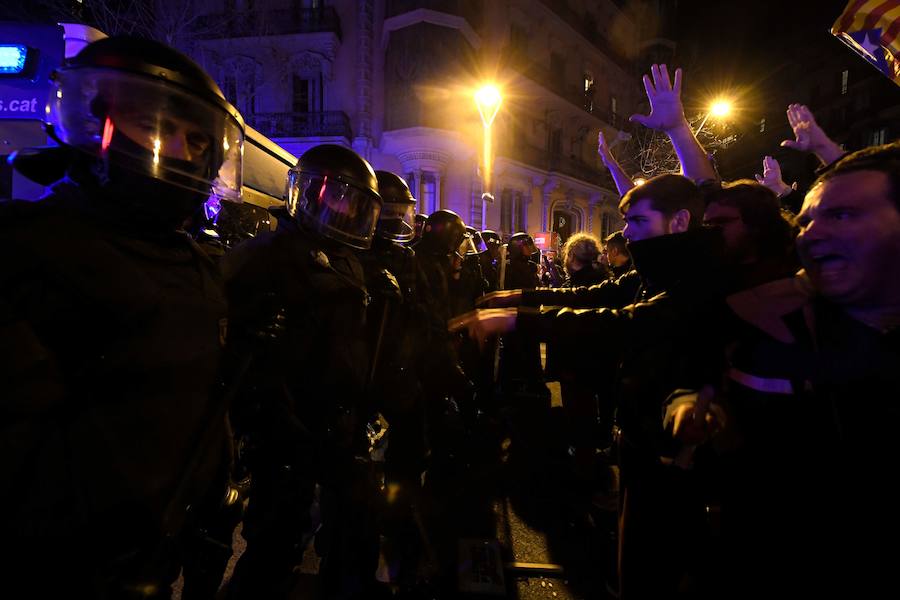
pixel 469 283
pixel 419 228
pixel 112 321
pixel 522 268
pixel 520 367
pixel 490 260
pixel 298 348
pixel 396 329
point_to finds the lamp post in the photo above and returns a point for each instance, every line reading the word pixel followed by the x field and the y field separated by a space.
pixel 488 100
pixel 719 109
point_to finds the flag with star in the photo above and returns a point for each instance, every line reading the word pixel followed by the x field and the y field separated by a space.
pixel 871 29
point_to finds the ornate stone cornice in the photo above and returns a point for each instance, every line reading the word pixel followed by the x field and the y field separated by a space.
pixel 424 15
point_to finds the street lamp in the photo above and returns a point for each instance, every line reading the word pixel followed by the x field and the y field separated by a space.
pixel 719 109
pixel 488 100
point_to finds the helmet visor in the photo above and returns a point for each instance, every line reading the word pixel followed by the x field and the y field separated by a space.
pixel 466 246
pixel 478 244
pixel 150 127
pixel 338 210
pixel 397 221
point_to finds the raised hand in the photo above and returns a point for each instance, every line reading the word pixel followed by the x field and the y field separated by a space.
pixel 666 110
pixel 603 149
pixel 809 136
pixel 771 177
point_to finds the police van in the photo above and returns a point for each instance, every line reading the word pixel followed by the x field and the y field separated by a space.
pixel 29 53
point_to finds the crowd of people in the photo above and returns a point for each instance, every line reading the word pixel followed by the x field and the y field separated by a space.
pixel 168 375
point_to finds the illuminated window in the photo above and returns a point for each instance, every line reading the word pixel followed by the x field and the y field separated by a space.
pixel 762 125
pixel 429 193
pixel 879 136
pixel 845 79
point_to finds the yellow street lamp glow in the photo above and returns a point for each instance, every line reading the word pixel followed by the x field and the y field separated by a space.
pixel 720 108
pixel 488 100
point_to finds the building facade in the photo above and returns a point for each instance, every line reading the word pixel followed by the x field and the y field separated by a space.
pixel 394 80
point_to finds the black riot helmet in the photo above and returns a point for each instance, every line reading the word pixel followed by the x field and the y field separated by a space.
pixel 333 190
pixel 521 247
pixel 445 234
pixel 420 225
pixel 156 130
pixel 478 245
pixel 396 221
pixel 491 238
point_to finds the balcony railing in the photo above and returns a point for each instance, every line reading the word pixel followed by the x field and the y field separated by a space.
pixel 269 22
pixel 554 82
pixel 296 124
pixel 555 163
pixel 589 30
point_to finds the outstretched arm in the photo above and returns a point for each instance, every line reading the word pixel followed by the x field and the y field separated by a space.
pixel 667 115
pixel 809 137
pixel 620 178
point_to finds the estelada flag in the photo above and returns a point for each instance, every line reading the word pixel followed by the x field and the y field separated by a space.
pixel 871 28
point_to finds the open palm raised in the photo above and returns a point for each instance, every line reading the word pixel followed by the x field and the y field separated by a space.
pixel 666 110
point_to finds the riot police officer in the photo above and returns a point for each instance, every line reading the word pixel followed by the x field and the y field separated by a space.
pixel 298 349
pixel 112 321
pixel 419 228
pixel 469 284
pixel 396 328
pixel 522 270
pixel 490 260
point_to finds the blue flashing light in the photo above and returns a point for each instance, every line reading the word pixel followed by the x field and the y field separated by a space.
pixel 12 58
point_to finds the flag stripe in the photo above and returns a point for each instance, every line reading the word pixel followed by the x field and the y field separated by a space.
pixel 861 15
pixel 847 17
pixel 890 34
pixel 875 16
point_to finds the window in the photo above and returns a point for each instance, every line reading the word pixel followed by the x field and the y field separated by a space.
pixel 229 88
pixel 555 145
pixel 589 92
pixel 762 125
pixel 518 39
pixel 614 110
pixel 558 69
pixel 605 225
pixel 301 97
pixel 429 192
pixel 879 136
pixel 845 79
pixel 518 208
pixel 506 201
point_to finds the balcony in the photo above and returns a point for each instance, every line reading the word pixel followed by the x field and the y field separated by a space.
pixel 556 163
pixel 269 22
pixel 588 29
pixel 333 123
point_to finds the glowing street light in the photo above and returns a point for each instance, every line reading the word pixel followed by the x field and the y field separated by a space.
pixel 488 101
pixel 719 109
